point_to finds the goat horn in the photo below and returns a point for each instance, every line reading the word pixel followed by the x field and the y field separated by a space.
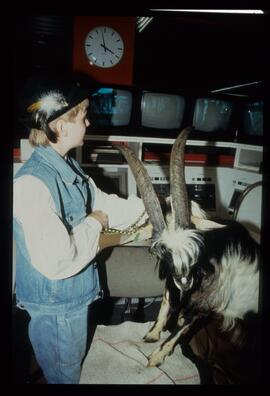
pixel 178 189
pixel 148 194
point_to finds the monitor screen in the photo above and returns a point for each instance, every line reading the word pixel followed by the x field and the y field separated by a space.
pixel 110 107
pixel 212 115
pixel 111 181
pixel 253 118
pixel 162 110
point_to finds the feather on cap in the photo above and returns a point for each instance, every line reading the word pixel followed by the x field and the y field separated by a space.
pixel 45 99
pixel 48 103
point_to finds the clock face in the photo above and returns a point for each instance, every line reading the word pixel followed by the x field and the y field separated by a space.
pixel 104 47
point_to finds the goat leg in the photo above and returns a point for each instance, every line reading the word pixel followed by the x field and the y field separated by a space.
pixel 153 334
pixel 167 347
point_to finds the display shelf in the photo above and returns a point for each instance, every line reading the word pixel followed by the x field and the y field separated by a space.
pixel 243 164
pixel 211 168
pixel 249 158
pixel 245 156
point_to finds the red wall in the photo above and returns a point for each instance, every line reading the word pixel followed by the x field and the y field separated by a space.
pixel 122 73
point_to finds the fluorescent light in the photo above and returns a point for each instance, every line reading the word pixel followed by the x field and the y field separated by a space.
pixel 142 22
pixel 240 95
pixel 212 11
pixel 237 86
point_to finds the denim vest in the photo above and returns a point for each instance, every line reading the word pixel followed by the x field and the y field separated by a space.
pixel 73 198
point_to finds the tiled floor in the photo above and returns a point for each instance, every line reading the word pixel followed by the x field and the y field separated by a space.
pixel 105 311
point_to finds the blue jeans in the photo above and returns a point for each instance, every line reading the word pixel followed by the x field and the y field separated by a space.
pixel 59 342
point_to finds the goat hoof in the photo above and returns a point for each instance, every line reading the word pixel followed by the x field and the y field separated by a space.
pixel 151 364
pixel 155 359
pixel 150 338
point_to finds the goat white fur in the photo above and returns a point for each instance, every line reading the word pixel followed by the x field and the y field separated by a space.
pixel 210 268
pixel 231 289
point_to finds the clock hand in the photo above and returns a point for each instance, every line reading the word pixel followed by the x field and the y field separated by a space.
pixel 108 49
pixel 103 45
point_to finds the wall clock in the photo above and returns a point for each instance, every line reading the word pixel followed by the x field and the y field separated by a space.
pixel 104 47
pixel 121 72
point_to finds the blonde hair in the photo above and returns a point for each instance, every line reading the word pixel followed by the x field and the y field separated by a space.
pixel 38 137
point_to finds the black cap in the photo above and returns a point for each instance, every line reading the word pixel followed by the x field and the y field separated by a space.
pixel 44 99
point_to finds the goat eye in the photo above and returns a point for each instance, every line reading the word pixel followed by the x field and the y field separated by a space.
pixel 159 250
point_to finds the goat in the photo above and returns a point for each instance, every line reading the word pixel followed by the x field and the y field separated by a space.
pixel 214 266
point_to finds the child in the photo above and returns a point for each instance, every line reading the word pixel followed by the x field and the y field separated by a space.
pixel 59 214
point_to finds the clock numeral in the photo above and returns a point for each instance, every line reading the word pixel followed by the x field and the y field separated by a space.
pixel 120 49
pixel 117 56
pixel 113 33
pixel 103 63
pixel 111 62
pixel 97 31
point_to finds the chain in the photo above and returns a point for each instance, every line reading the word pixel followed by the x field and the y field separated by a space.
pixel 129 230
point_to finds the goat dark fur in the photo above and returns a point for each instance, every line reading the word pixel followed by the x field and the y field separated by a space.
pixel 225 281
pixel 214 265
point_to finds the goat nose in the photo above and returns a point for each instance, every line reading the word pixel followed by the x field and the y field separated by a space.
pixel 184 280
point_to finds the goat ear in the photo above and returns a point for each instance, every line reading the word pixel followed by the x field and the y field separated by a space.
pixel 204 224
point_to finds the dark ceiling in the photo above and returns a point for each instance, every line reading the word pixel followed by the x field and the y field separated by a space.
pixel 201 52
pixel 193 52
pixel 190 51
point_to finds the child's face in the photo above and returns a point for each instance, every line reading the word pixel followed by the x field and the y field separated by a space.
pixel 77 129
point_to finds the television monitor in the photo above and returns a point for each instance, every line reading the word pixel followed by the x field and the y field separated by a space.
pixel 162 111
pixel 251 122
pixel 111 180
pixel 110 108
pixel 214 118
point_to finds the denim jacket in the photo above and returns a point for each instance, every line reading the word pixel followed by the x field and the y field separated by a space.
pixel 73 197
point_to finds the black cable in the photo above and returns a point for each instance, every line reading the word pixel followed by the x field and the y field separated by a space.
pixel 242 196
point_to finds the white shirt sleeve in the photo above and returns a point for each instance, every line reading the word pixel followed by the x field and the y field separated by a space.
pixel 121 212
pixel 53 251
